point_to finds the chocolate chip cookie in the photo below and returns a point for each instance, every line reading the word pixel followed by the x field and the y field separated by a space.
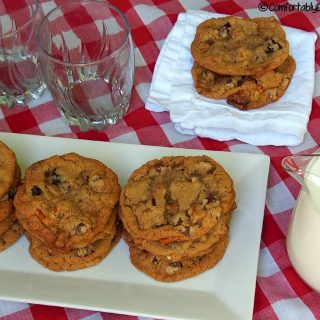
pixel 67 200
pixel 75 259
pixel 159 268
pixel 180 250
pixel 240 46
pixel 218 86
pixel 268 88
pixel 176 198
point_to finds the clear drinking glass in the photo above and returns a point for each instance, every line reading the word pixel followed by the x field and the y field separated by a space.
pixel 87 60
pixel 20 76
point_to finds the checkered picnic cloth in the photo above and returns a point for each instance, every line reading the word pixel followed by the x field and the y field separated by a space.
pixel 280 292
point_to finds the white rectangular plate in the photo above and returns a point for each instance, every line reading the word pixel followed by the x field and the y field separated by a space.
pixel 224 292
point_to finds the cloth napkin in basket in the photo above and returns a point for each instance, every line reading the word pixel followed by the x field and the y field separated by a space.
pixel 283 122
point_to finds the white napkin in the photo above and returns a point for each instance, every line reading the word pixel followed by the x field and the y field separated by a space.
pixel 283 122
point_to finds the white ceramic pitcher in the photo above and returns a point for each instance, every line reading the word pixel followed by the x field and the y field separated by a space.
pixel 303 236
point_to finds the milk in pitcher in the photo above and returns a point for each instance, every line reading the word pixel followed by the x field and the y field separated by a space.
pixel 303 236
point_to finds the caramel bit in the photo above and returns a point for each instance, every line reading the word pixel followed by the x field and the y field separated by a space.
pixel 41 216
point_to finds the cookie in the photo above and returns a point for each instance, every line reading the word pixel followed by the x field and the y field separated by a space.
pixel 10 236
pixel 218 86
pixel 6 202
pixel 176 198
pixel 76 258
pixel 161 269
pixel 268 88
pixel 67 200
pixel 181 250
pixel 240 46
pixel 8 164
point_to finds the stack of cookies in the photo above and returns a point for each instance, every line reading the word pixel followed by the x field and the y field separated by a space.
pixel 175 213
pixel 10 174
pixel 245 61
pixel 68 206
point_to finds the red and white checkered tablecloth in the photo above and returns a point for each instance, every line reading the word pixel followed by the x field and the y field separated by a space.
pixel 280 293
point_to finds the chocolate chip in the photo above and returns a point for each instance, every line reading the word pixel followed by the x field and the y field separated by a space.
pixel 224 31
pixel 209 42
pixel 84 177
pixel 168 198
pixel 179 222
pixel 213 196
pixel 53 177
pixel 80 229
pixel 153 201
pixel 158 166
pixel 239 100
pixel 186 231
pixel 199 223
pixel 11 194
pixel 211 170
pixel 36 191
pixel 155 260
pixel 272 46
pixel 177 265
pixel 56 182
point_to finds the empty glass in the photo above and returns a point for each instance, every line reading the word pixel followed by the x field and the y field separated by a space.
pixel 20 77
pixel 87 60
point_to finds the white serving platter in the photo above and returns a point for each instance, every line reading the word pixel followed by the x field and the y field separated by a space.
pixel 224 292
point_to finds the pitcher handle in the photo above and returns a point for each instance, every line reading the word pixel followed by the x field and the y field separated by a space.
pixel 296 166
